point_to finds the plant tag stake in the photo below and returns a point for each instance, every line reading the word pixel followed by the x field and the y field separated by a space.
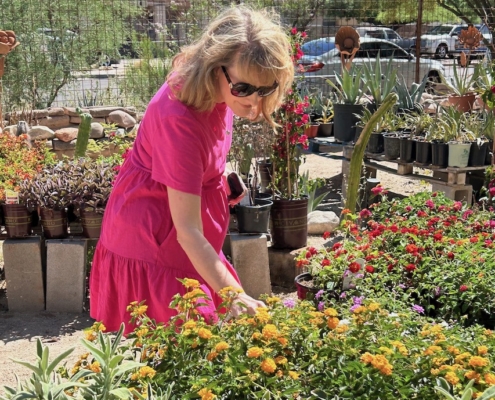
pixel 11 197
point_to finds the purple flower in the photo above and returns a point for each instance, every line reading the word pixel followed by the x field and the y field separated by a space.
pixel 402 286
pixel 418 309
pixel 354 307
pixel 359 276
pixel 437 291
pixel 321 306
pixel 343 295
pixel 289 303
pixel 319 294
pixel 357 301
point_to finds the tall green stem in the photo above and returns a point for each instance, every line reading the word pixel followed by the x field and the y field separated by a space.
pixel 358 152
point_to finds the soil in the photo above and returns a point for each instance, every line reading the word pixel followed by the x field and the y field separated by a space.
pixel 19 332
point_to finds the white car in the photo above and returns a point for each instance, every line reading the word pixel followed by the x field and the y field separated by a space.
pixel 319 68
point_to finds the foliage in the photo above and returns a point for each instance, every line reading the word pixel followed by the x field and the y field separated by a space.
pixel 143 79
pixel 486 84
pixel 467 394
pixel 326 112
pixel 348 85
pixel 379 83
pixel 54 44
pixel 292 118
pixel 309 187
pixel 409 99
pixel 20 160
pixel 462 83
pixel 359 348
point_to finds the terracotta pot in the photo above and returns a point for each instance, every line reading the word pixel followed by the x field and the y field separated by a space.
pixel 463 103
pixel 311 131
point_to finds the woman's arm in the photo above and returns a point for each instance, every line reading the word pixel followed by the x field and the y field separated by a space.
pixel 186 215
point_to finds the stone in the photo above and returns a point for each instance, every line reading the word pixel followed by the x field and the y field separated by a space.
pixel 55 111
pixel 283 269
pixel 66 134
pixel 99 111
pixel 24 274
pixel 122 119
pixel 97 131
pixel 39 114
pixel 40 132
pixel 78 120
pixel 57 122
pixel 61 145
pixel 65 275
pixel 320 222
pixel 10 130
pixel 71 111
pixel 250 260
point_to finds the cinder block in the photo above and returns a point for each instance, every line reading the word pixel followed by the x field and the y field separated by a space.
pixel 454 192
pixel 65 274
pixel 283 268
pixel 250 260
pixel 24 274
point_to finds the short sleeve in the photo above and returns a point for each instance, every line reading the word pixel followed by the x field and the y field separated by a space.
pixel 178 154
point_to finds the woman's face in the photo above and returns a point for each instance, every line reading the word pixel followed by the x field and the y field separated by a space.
pixel 246 107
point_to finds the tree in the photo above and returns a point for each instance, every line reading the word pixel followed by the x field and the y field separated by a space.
pixel 58 38
pixel 470 10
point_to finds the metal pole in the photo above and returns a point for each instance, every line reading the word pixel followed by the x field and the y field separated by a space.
pixel 418 39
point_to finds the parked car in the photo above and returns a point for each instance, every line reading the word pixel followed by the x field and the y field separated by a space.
pixel 325 66
pixel 442 40
pixel 381 32
pixel 318 47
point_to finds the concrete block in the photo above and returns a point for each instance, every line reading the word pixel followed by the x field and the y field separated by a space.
pixel 283 268
pixel 404 169
pixel 454 192
pixel 24 274
pixel 250 260
pixel 65 274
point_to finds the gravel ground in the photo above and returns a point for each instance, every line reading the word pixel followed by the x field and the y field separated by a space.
pixel 60 331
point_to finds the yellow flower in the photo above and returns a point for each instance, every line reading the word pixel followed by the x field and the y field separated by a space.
pixel 270 332
pixel 367 358
pixel 482 350
pixel 90 335
pixel 487 332
pixel 359 310
pixel 141 332
pixel 268 366
pixel 452 378
pixel 204 333
pixel 262 315
pixel 254 352
pixel 211 356
pixel 191 283
pixel 432 350
pixel 460 358
pixel 273 300
pixel 191 324
pixel 221 346
pixel 477 361
pixel 453 350
pixel 193 293
pixel 294 375
pixel 490 379
pixel 283 341
pixel 281 360
pixel 331 312
pixel 472 375
pixel 84 356
pixel 374 306
pixel 206 394
pixel 386 350
pixel 434 371
pixel 147 372
pixel 342 328
pixel 135 376
pixel 256 336
pixel 95 367
pixel 333 322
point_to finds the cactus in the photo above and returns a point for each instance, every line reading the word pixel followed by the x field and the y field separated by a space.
pixel 358 152
pixel 83 134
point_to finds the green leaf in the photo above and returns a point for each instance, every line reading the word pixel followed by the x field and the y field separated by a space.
pixel 33 368
pixel 122 393
pixel 57 360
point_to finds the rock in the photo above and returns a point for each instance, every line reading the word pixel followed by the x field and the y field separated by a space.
pixel 320 222
pixel 57 122
pixel 71 111
pixel 61 145
pixel 99 111
pixel 39 114
pixel 22 128
pixel 55 111
pixel 10 130
pixel 97 131
pixel 40 132
pixel 122 119
pixel 66 134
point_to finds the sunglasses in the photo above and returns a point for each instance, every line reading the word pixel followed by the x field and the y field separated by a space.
pixel 242 89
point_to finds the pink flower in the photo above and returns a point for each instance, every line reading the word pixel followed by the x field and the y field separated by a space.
pixel 365 213
pixel 463 288
pixel 377 190
pixel 293 30
pixel 492 191
pixel 429 203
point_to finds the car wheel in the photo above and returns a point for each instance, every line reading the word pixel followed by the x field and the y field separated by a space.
pixel 104 60
pixel 433 80
pixel 442 51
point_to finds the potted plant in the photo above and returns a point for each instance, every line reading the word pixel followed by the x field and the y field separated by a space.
pixel 409 99
pixel 420 149
pixel 462 83
pixel 289 218
pixel 51 192
pixel 488 129
pixel 480 145
pixel 93 186
pixel 349 89
pixel 379 83
pixel 326 118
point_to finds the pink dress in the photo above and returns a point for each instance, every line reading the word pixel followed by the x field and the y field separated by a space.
pixel 138 257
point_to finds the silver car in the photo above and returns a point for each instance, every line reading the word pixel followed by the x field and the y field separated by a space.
pixel 325 66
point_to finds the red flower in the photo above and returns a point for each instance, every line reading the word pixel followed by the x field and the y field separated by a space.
pixel 437 237
pixel 326 235
pixel 354 267
pixel 463 288
pixel 450 255
pixel 377 190
pixel 370 269
pixel 325 262
pixel 410 267
pixel 390 267
pixel 493 89
pixel 302 263
pixel 474 239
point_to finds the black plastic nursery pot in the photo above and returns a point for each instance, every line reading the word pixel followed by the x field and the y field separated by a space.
pixel 289 223
pixel 489 151
pixel 477 154
pixel 325 129
pixel 423 152
pixel 253 219
pixel 391 145
pixel 375 143
pixel 407 149
pixel 439 154
pixel 345 120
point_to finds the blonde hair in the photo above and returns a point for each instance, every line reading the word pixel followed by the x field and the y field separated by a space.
pixel 254 40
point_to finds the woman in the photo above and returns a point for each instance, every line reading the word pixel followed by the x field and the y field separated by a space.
pixel 168 213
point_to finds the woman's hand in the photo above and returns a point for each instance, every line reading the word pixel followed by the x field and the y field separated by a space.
pixel 237 200
pixel 245 304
